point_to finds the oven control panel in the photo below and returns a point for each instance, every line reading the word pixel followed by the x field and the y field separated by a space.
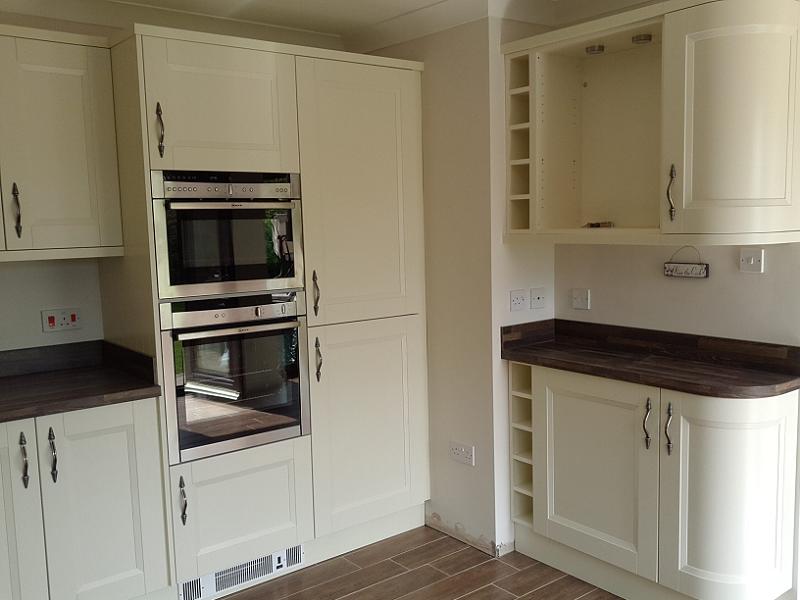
pixel 200 185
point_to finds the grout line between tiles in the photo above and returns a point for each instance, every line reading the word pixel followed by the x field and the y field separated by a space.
pixel 587 593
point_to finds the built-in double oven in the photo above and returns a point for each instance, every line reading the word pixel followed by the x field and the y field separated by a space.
pixel 229 264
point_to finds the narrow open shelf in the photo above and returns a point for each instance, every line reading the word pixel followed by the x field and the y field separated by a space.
pixel 521 382
pixel 522 509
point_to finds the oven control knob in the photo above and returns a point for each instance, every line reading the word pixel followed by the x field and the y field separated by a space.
pixel 209 188
pixel 216 189
pixel 251 189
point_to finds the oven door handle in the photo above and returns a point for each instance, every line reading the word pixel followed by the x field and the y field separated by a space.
pixel 243 205
pixel 214 333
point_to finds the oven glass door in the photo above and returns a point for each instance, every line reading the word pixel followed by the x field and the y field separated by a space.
pixel 236 388
pixel 218 247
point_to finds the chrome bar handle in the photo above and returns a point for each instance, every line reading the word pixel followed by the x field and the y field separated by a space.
pixel 666 429
pixel 18 208
pixel 673 173
pixel 317 294
pixel 161 129
pixel 24 451
pixel 647 439
pixel 54 468
pixel 184 501
pixel 319 359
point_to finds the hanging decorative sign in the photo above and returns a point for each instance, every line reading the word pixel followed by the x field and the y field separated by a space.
pixel 691 270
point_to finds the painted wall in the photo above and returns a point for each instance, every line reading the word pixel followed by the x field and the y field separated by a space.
pixel 629 288
pixel 94 16
pixel 27 288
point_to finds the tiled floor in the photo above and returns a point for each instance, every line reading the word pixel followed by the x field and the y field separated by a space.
pixel 424 564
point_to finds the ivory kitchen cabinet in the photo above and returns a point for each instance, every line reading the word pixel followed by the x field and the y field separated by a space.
pixel 58 157
pixel 727 496
pixel 23 570
pixel 219 108
pixel 235 509
pixel 103 502
pixel 708 509
pixel 730 126
pixel 595 473
pixel 360 141
pixel 370 416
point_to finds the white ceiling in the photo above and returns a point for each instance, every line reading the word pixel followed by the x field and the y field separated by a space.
pixel 339 17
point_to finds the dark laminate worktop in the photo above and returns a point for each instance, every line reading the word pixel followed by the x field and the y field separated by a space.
pixel 42 381
pixel 701 365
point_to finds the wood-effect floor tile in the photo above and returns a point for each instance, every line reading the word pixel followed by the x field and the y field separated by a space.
pixel 429 552
pixel 566 588
pixel 463 583
pixel 517 560
pixel 490 592
pixel 532 578
pixel 600 595
pixel 393 546
pixel 400 585
pixel 298 581
pixel 461 561
pixel 347 584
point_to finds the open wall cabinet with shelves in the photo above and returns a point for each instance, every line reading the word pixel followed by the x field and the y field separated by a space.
pixel 669 124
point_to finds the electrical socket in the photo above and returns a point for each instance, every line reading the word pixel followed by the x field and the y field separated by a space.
pixel 538 298
pixel 462 453
pixel 520 300
pixel 582 299
pixel 61 319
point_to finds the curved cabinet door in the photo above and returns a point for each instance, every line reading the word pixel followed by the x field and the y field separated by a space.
pixel 730 126
pixel 222 108
pixel 727 496
pixel 595 484
pixel 23 572
pixel 104 510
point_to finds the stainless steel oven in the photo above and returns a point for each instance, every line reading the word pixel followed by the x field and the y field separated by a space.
pixel 223 233
pixel 235 372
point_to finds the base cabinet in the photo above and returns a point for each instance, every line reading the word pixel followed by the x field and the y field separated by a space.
pixel 89 519
pixel 234 508
pixel 727 496
pixel 708 509
pixel 23 570
pixel 370 420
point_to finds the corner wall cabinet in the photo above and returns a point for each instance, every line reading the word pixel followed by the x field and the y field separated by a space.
pixel 694 493
pixel 663 120
pixel 94 493
pixel 58 156
pixel 219 108
pixel 360 139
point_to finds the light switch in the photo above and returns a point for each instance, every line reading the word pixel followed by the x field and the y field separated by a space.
pixel 751 260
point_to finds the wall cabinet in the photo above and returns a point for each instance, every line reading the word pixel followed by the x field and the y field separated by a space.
pixel 370 416
pixel 219 108
pixel 646 124
pixel 362 190
pixel 57 146
pixel 241 506
pixel 95 494
pixel 706 508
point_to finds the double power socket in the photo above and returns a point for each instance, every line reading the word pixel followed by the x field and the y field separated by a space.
pixel 534 298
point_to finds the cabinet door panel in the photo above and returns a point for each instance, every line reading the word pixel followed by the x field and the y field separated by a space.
pixel 370 426
pixel 225 109
pixel 362 189
pixel 730 126
pixel 104 514
pixel 242 506
pixel 57 144
pixel 23 572
pixel 727 496
pixel 595 480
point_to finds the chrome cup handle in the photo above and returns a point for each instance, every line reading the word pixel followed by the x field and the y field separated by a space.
pixel 647 439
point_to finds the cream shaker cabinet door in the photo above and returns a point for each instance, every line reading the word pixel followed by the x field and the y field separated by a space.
pixel 231 509
pixel 595 472
pixel 103 502
pixel 360 147
pixel 727 496
pixel 730 128
pixel 219 108
pixel 369 413
pixel 58 158
pixel 23 571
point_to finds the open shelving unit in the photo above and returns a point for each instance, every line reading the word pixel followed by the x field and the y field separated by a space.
pixel 521 411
